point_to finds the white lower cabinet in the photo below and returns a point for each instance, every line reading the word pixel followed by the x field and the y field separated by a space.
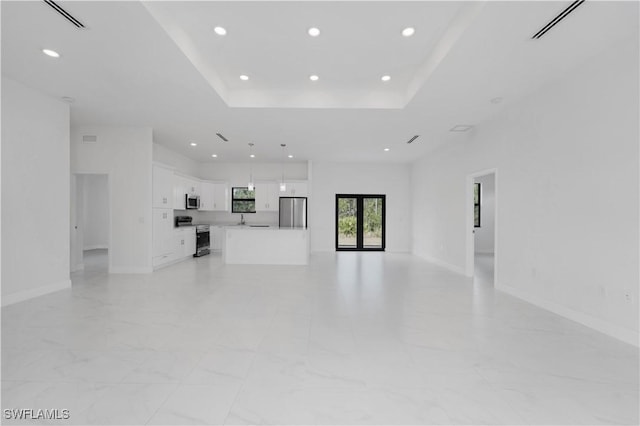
pixel 216 235
pixel 171 244
pixel 162 236
pixel 184 242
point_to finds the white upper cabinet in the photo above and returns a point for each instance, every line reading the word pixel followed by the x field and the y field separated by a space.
pixel 214 196
pixel 267 196
pixel 192 186
pixel 221 197
pixel 183 185
pixel 179 192
pixel 207 196
pixel 162 187
pixel 295 189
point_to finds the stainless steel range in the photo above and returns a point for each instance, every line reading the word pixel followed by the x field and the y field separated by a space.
pixel 202 240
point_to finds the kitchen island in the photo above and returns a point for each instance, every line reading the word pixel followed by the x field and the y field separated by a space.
pixel 252 245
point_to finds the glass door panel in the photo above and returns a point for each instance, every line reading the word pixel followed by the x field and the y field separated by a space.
pixel 372 222
pixel 347 222
pixel 360 222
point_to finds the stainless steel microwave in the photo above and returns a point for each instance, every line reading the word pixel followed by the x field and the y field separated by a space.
pixel 192 201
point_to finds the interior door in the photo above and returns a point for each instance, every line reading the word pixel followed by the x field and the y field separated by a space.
pixel 360 220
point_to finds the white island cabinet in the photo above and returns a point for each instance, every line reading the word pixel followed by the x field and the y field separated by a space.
pixel 265 246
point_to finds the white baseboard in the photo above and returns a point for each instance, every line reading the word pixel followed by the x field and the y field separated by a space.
pixel 441 263
pixel 96 247
pixel 130 269
pixel 621 333
pixel 21 296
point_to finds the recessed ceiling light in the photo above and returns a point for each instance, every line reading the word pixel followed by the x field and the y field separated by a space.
pixel 244 77
pixel 386 78
pixel 290 156
pixel 461 128
pixel 51 53
pixel 214 155
pixel 386 149
pixel 252 156
pixel 314 32
pixel 313 77
pixel 408 32
pixel 193 144
pixel 220 31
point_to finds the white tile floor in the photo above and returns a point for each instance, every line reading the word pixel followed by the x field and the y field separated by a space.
pixel 353 338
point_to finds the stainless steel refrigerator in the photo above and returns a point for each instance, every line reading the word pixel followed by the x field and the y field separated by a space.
pixel 293 212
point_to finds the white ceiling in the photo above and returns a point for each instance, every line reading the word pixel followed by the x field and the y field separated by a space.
pixel 359 43
pixel 160 64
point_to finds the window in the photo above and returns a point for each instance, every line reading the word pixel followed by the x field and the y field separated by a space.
pixel 243 200
pixel 476 205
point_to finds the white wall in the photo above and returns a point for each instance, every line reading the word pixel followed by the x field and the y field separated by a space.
pixel 95 222
pixel 171 158
pixel 485 234
pixel 125 153
pixel 35 193
pixel 330 179
pixel 567 184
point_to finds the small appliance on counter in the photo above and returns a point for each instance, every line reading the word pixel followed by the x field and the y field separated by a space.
pixel 184 221
pixel 293 212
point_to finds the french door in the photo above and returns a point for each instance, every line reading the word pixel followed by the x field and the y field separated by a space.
pixel 360 221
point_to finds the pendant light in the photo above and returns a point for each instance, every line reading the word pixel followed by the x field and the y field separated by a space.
pixel 283 186
pixel 250 185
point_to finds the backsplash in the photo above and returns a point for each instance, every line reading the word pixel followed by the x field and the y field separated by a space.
pixel 262 218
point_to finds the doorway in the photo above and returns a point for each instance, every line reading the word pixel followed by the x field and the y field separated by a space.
pixel 90 223
pixel 482 245
pixel 360 222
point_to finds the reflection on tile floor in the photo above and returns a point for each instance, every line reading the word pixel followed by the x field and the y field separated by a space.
pixel 352 338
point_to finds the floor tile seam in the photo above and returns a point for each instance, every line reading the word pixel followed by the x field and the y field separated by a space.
pixel 507 401
pixel 244 379
pixel 175 389
pixel 145 359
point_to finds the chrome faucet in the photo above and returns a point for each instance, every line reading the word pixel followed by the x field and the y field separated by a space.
pixel 242 222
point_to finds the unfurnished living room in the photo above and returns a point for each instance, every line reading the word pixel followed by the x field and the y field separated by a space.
pixel 320 212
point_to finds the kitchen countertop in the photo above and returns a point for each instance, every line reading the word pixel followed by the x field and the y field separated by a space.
pixel 264 228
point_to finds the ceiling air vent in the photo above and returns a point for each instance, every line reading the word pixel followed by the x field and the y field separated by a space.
pixel 65 14
pixel 557 19
pixel 222 137
pixel 461 128
pixel 413 139
pixel 89 139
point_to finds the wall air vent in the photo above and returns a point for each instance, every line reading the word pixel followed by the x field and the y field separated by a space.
pixel 557 19
pixel 89 139
pixel 222 137
pixel 413 138
pixel 65 14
